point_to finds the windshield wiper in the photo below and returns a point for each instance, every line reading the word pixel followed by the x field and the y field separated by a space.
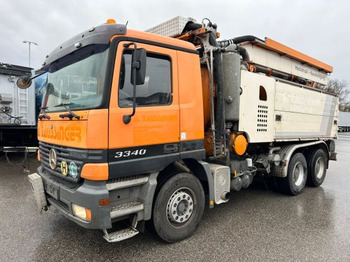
pixel 43 113
pixel 71 114
pixel 65 104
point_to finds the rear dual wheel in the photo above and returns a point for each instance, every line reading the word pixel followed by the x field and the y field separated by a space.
pixel 317 167
pixel 296 177
pixel 299 172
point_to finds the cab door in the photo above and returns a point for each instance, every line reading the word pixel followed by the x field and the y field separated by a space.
pixel 151 139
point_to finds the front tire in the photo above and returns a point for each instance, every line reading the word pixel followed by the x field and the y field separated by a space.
pixel 317 167
pixel 295 181
pixel 178 208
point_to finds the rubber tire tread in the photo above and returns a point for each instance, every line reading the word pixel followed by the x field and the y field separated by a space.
pixel 286 184
pixel 312 180
pixel 162 226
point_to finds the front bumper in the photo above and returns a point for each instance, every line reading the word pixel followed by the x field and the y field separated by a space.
pixel 62 194
pixel 126 196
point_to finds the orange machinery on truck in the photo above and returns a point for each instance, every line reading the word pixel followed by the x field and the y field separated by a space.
pixel 137 126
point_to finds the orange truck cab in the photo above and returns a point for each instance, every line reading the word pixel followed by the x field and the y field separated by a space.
pixel 97 168
pixel 137 127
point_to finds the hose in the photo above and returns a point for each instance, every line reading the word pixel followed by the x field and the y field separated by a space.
pixel 238 40
pixel 17 120
pixel 243 52
pixel 21 163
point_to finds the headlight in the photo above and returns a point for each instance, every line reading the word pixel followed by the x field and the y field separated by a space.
pixel 81 212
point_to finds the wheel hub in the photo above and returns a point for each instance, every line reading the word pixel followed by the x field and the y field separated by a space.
pixel 319 167
pixel 180 206
pixel 298 174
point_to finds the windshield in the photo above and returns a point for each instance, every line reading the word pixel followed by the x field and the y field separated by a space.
pixel 77 80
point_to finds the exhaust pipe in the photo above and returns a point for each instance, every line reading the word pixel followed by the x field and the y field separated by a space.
pixel 225 195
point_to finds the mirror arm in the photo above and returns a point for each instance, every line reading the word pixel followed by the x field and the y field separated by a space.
pixel 127 118
pixel 28 80
pixel 33 77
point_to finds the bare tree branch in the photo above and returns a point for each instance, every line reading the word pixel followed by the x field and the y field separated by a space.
pixel 339 88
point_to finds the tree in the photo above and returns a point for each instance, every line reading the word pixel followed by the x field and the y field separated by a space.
pixel 345 107
pixel 339 88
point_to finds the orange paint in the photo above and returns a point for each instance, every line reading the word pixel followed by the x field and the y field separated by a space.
pixel 70 133
pixel 194 33
pixel 150 125
pixel 190 96
pixel 88 132
pixel 282 49
pixel 95 171
pixel 157 124
pixel 97 129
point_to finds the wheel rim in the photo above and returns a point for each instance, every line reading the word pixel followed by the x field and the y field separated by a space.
pixel 319 167
pixel 180 206
pixel 298 174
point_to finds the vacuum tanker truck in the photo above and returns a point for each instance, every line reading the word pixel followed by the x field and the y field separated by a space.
pixel 155 126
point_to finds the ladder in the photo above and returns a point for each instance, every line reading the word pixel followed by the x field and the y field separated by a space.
pixel 22 98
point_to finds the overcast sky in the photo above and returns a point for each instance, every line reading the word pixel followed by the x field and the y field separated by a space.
pixel 318 28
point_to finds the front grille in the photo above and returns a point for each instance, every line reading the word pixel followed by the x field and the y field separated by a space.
pixel 78 156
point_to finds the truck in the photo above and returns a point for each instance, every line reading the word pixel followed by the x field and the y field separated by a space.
pixel 344 122
pixel 17 109
pixel 150 128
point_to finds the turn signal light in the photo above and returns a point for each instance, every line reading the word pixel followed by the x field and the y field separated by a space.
pixel 103 202
pixel 98 171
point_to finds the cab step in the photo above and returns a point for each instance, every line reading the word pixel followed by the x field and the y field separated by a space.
pixel 126 209
pixel 120 235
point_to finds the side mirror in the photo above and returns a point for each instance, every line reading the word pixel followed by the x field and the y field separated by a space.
pixel 24 82
pixel 138 74
pixel 138 66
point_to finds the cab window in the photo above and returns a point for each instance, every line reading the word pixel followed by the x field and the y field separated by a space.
pixel 156 89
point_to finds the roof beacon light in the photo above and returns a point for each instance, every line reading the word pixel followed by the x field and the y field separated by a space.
pixel 110 21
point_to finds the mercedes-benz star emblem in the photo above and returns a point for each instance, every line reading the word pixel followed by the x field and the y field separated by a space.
pixel 53 159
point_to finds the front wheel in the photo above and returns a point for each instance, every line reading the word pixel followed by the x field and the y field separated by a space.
pixel 317 167
pixel 296 177
pixel 178 208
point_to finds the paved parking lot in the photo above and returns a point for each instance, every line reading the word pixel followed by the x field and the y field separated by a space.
pixel 256 225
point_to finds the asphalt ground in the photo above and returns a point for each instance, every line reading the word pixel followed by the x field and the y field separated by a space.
pixel 257 224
